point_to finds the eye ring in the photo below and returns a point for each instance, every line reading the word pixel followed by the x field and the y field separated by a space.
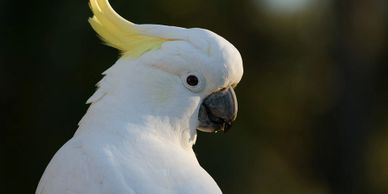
pixel 193 81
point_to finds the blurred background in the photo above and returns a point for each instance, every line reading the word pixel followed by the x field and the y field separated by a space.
pixel 313 101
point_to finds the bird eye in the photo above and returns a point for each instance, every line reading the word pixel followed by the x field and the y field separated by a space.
pixel 195 82
pixel 192 80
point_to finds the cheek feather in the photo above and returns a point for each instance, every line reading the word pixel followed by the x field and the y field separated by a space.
pixel 164 89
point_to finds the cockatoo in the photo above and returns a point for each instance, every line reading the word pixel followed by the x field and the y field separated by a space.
pixel 138 132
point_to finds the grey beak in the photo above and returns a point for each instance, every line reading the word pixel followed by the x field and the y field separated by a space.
pixel 218 111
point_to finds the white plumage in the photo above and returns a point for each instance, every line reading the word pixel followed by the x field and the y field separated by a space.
pixel 138 132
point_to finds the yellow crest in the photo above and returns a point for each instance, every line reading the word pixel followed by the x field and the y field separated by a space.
pixel 120 33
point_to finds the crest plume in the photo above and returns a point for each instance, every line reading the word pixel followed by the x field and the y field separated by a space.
pixel 119 33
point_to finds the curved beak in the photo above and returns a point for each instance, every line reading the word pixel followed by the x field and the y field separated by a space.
pixel 218 111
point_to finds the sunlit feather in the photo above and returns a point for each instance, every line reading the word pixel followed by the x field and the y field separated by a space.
pixel 120 33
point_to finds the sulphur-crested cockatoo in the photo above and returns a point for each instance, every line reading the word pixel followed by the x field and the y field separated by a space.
pixel 138 132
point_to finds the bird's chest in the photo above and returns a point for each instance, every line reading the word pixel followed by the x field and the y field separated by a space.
pixel 161 170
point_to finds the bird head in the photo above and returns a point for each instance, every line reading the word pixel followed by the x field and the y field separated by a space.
pixel 185 76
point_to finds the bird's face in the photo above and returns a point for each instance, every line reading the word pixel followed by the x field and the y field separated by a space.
pixel 186 74
pixel 197 77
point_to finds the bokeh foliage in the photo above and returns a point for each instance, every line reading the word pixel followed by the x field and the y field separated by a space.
pixel 313 102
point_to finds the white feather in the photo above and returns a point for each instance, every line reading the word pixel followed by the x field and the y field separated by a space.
pixel 138 132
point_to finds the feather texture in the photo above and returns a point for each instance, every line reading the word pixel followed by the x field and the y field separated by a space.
pixel 138 132
pixel 120 33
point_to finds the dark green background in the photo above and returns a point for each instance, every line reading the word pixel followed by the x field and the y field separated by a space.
pixel 313 101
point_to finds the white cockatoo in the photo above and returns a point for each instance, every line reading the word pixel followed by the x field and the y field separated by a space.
pixel 138 132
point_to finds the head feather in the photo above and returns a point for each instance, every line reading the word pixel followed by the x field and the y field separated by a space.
pixel 119 33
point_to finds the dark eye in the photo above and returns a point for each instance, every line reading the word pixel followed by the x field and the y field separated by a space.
pixel 192 80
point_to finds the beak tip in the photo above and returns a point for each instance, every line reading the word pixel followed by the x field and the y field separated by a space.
pixel 228 125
